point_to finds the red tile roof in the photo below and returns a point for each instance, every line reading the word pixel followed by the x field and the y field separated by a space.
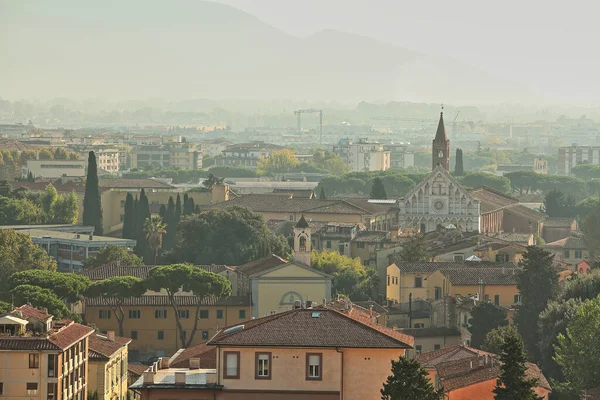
pixel 100 347
pixel 159 300
pixel 58 340
pixel 206 354
pixel 261 265
pixel 70 335
pixel 137 369
pixel 313 328
pixel 26 311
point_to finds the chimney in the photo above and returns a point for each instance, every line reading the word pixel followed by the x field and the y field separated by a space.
pixel 148 377
pixel 91 236
pixel 110 335
pixel 78 236
pixel 297 304
pixel 180 378
pixel 195 363
pixel 371 310
pixel 324 301
pixel 308 304
pixel 163 363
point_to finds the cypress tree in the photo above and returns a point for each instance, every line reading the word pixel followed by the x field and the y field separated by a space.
pixel 188 207
pixel 143 212
pixel 458 166
pixel 378 190
pixel 128 217
pixel 185 199
pixel 92 209
pixel 178 210
pixel 513 383
pixel 30 177
pixel 163 212
pixel 169 219
pixel 322 195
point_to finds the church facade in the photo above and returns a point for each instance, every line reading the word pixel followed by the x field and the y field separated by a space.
pixel 440 200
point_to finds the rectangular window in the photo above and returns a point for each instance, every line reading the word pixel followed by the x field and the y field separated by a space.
pixel 52 365
pixel 203 314
pixel 32 389
pixel 438 292
pixel 219 314
pixel 486 297
pixel 328 244
pixel 204 335
pixel 263 366
pixel 360 245
pixel 134 314
pixel 34 361
pixel 388 280
pixel 577 253
pixel 567 254
pixel 51 391
pixel 184 314
pixel 1 388
pixel 497 299
pixel 418 281
pixel 459 257
pixel 134 335
pixel 419 325
pixel 242 314
pixel 231 367
pixel 517 299
pixel 104 314
pixel 160 314
pixel 160 335
pixel 436 346
pixel 314 366
pixel 418 348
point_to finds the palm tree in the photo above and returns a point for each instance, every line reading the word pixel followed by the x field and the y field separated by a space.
pixel 212 180
pixel 155 228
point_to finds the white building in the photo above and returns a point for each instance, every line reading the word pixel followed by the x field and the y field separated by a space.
pixel 54 168
pixel 107 159
pixel 363 155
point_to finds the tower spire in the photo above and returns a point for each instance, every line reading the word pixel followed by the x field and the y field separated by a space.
pixel 441 146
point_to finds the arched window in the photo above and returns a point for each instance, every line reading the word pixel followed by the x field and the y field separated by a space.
pixel 302 243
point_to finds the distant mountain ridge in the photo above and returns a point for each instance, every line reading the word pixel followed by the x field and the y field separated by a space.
pixel 190 49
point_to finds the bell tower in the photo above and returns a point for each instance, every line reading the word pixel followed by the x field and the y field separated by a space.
pixel 441 147
pixel 302 241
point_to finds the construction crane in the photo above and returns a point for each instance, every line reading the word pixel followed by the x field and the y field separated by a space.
pixel 454 132
pixel 299 113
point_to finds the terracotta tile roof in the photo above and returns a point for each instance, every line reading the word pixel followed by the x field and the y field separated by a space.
pixel 122 183
pixel 137 369
pixel 429 267
pixel 571 242
pixel 103 348
pixel 113 269
pixel 477 376
pixel 26 311
pixel 297 193
pixel 525 212
pixel 313 328
pixel 261 265
pixel 534 372
pixel 489 276
pixel 379 309
pixel 513 237
pixel 60 187
pixel 555 222
pixel 371 236
pixel 492 200
pixel 206 354
pixel 183 300
pixel 70 335
pixel 451 353
pixel 58 340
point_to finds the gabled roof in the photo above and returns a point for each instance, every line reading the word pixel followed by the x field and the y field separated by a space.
pixel 26 311
pixel 58 340
pixel 492 199
pixel 136 368
pixel 113 269
pixel 556 222
pixel 262 264
pixel 429 267
pixel 102 348
pixel 280 266
pixel 438 170
pixel 206 354
pixel 311 328
pixel 123 183
pixel 371 236
pixel 571 242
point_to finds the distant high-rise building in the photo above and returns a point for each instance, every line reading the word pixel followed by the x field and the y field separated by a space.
pixel 363 155
pixel 569 157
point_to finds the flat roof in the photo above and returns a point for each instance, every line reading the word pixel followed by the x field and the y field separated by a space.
pixel 69 236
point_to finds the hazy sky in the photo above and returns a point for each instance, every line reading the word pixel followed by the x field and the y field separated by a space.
pixel 549 46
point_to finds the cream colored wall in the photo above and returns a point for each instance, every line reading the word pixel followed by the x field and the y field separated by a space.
pixel 407 286
pixel 506 292
pixel 365 370
pixel 428 343
pixel 102 375
pixel 291 270
pixel 393 289
pixel 96 374
pixel 270 292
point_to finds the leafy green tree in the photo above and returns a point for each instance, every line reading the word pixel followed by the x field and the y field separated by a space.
pixel 586 172
pixel 577 350
pixel 128 217
pixel 45 154
pixel 92 207
pixel 19 253
pixel 537 282
pixel 5 307
pixel 495 338
pixel 477 179
pixel 322 194
pixel 378 190
pixel 113 292
pixel 174 277
pixel 459 169
pixel 485 317
pixel 330 162
pixel 415 249
pixel 593 187
pixel 278 161
pixel 67 287
pixel 409 380
pixel 211 180
pixel 513 383
pixel 587 207
pixel 350 277
pixel 232 236
pixel 112 253
pixel 66 209
pixel 591 233
pixel 5 188
pixel 523 181
pixel 228 171
pixel 23 211
pixel 553 321
pixel 40 298
pixel 155 228
pixel 582 287
pixel 556 204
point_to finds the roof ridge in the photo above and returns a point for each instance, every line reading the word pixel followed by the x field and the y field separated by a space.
pixel 255 323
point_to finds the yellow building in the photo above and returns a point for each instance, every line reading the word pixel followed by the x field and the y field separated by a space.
pixel 50 365
pixel 107 356
pixel 570 250
pixel 430 339
pixel 500 252
pixel 366 244
pixel 150 322
pixel 497 285
pixel 326 353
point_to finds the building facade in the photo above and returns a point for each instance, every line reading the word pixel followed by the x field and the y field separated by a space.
pixel 363 155
pixel 245 154
pixel 571 156
pixel 108 376
pixel 54 168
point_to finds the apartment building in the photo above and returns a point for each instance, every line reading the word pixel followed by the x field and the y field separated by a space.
pixel 363 155
pixel 54 168
pixel 108 367
pixel 172 155
pixel 151 324
pixel 315 353
pixel 571 156
pixel 42 359
pixel 70 248
pixel 401 157
pixel 107 158
pixel 245 154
